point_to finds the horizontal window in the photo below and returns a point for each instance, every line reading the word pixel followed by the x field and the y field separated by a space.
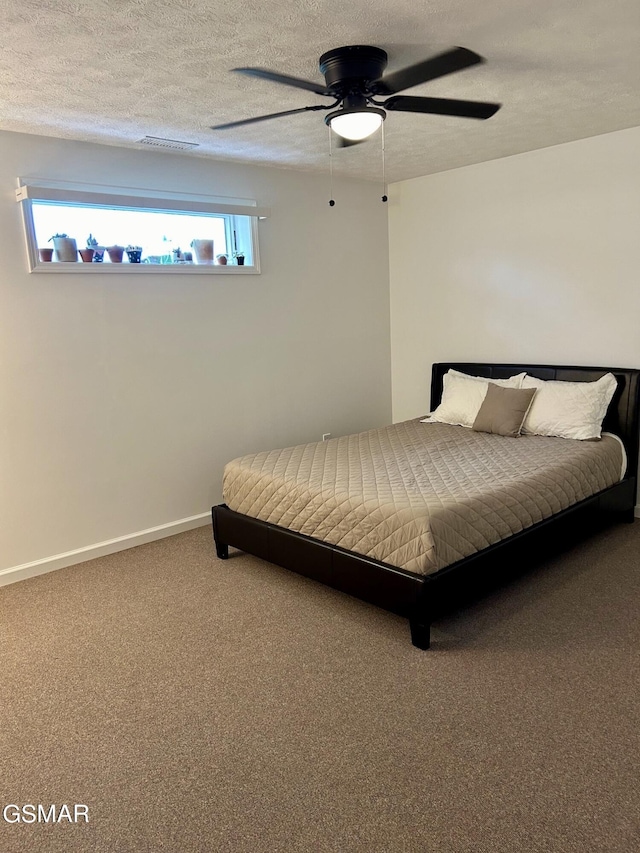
pixel 69 229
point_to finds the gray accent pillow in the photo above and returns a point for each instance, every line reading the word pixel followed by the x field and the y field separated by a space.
pixel 503 410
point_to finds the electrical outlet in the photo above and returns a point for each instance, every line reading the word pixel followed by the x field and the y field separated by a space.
pixel 326 435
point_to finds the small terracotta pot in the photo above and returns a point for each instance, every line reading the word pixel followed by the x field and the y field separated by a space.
pixel 46 254
pixel 87 255
pixel 115 254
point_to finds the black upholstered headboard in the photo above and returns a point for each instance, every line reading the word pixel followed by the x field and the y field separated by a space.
pixel 623 415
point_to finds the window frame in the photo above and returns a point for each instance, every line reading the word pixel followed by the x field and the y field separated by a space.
pixel 30 190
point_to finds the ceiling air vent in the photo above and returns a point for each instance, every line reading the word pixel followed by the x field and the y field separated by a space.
pixel 173 144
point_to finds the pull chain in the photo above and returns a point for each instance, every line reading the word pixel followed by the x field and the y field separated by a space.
pixel 331 200
pixel 384 179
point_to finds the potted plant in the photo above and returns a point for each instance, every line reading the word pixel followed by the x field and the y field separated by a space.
pixel 45 254
pixel 134 253
pixel 87 254
pixel 98 251
pixel 115 254
pixel 239 256
pixel 66 248
pixel 203 250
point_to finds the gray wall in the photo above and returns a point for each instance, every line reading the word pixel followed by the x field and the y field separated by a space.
pixel 122 397
pixel 532 258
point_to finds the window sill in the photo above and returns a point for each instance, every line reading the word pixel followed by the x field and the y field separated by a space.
pixel 143 269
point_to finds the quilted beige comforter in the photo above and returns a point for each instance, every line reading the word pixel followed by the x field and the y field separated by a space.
pixel 416 495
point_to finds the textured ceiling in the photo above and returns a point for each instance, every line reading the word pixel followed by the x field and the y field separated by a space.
pixel 112 71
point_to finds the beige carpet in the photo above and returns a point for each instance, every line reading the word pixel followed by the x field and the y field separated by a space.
pixel 201 705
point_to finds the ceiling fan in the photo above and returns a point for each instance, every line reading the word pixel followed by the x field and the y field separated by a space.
pixel 353 78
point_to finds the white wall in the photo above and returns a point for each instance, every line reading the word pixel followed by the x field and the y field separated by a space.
pixel 531 258
pixel 122 397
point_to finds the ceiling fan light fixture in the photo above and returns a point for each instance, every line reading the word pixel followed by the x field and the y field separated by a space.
pixel 355 124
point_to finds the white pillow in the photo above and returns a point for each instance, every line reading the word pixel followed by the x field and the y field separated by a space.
pixel 568 409
pixel 462 396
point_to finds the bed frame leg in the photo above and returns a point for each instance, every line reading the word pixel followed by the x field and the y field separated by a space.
pixel 421 615
pixel 222 551
pixel 420 633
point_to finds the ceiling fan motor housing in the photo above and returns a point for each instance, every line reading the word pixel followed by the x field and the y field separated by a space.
pixel 345 65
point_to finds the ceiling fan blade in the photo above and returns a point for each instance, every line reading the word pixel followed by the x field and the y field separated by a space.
pixel 261 118
pixel 445 63
pixel 318 88
pixel 442 106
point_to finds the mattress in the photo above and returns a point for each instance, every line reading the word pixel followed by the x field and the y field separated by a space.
pixel 419 496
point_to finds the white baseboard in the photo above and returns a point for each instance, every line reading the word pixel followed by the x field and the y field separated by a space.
pixel 111 546
pixel 100 549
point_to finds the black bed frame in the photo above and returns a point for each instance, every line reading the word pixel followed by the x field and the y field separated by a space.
pixel 423 599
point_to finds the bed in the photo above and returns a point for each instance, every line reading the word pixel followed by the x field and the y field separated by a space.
pixel 348 512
